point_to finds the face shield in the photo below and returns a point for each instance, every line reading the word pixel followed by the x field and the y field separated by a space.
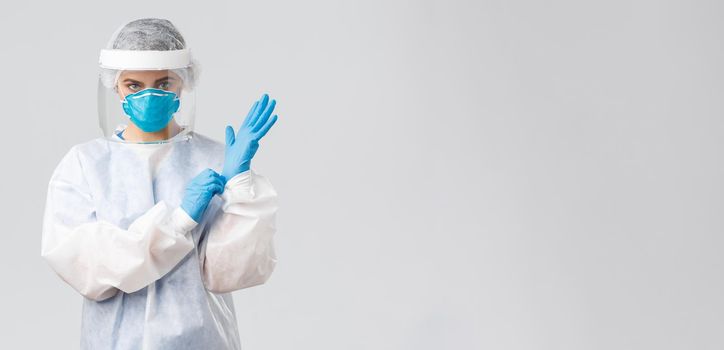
pixel 146 96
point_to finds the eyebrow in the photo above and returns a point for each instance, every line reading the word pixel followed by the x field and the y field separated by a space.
pixel 164 79
pixel 129 80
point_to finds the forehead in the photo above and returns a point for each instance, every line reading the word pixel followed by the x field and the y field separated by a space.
pixel 147 75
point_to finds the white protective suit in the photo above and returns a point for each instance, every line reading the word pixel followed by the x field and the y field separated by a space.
pixel 151 276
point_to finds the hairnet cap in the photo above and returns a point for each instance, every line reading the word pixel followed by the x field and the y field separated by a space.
pixel 147 34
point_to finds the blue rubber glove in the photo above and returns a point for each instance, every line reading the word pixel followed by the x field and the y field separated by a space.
pixel 200 191
pixel 241 148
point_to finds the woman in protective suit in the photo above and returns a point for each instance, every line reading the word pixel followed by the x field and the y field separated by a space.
pixel 141 223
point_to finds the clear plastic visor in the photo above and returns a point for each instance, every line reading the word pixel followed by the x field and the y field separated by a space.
pixel 146 106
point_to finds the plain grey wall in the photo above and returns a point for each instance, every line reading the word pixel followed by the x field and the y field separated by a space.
pixel 453 175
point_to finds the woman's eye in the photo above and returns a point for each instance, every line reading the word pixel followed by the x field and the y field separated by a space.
pixel 134 87
pixel 164 86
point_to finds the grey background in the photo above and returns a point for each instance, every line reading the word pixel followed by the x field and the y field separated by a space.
pixel 453 175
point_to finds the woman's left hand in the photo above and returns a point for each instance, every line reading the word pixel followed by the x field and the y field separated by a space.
pixel 242 146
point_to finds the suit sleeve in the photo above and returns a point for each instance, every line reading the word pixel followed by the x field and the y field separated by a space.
pixel 98 258
pixel 239 249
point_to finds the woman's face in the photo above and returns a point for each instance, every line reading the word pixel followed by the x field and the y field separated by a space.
pixel 130 82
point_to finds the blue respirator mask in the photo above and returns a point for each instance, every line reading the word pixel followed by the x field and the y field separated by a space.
pixel 151 109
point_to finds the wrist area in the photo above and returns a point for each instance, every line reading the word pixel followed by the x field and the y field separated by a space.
pixel 190 214
pixel 239 188
pixel 230 173
pixel 182 221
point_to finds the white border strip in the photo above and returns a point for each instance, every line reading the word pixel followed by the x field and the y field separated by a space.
pixel 144 60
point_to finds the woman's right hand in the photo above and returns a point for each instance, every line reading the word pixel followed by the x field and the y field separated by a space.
pixel 200 191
